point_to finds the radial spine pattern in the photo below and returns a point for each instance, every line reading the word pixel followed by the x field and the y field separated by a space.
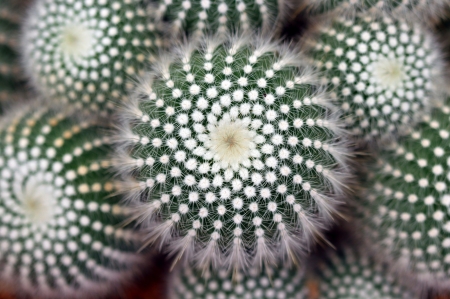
pixel 380 70
pixel 409 202
pixel 59 235
pixel 235 150
pixel 195 17
pixel 282 283
pixel 85 51
pixel 348 274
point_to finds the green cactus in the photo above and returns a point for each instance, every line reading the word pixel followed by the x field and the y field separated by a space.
pixel 282 283
pixel 195 17
pixel 349 274
pixel 381 71
pixel 86 51
pixel 59 234
pixel 235 148
pixel 408 207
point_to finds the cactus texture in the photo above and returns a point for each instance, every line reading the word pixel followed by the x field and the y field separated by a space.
pixel 281 283
pixel 408 211
pixel 381 71
pixel 195 17
pixel 349 273
pixel 85 51
pixel 235 150
pixel 59 235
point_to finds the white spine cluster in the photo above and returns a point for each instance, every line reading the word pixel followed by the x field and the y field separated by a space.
pixel 382 72
pixel 235 151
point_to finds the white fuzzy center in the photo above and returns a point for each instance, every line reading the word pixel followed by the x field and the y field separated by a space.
pixel 388 73
pixel 76 40
pixel 231 142
pixel 38 202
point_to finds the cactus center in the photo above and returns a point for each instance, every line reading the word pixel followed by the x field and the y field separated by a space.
pixel 231 142
pixel 76 40
pixel 37 201
pixel 388 73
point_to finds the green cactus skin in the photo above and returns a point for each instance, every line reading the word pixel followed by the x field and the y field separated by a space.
pixel 408 207
pixel 382 72
pixel 282 283
pixel 195 17
pixel 86 51
pixel 348 274
pixel 234 148
pixel 59 232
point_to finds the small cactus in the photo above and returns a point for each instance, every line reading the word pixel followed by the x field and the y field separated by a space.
pixel 85 51
pixel 195 17
pixel 349 273
pixel 58 221
pixel 235 148
pixel 279 283
pixel 408 207
pixel 381 71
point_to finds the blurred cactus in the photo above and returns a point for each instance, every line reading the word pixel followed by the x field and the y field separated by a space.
pixel 58 230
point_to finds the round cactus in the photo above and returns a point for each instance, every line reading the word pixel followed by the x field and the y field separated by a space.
pixel 236 151
pixel 408 204
pixel 85 51
pixel 195 17
pixel 282 283
pixel 349 274
pixel 381 71
pixel 59 234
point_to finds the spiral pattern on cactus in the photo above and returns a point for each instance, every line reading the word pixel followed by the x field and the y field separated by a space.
pixel 381 72
pixel 85 51
pixel 59 234
pixel 236 150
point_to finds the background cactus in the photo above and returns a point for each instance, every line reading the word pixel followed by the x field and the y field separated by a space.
pixel 86 51
pixel 235 148
pixel 407 211
pixel 382 72
pixel 59 234
pixel 282 283
pixel 195 17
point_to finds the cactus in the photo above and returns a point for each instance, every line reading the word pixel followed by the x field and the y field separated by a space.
pixel 58 230
pixel 235 148
pixel 348 273
pixel 382 72
pixel 85 51
pixel 282 283
pixel 195 17
pixel 407 211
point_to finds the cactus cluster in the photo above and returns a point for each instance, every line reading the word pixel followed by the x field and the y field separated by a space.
pixel 59 232
pixel 381 72
pixel 85 52
pixel 236 150
pixel 407 208
pixel 281 283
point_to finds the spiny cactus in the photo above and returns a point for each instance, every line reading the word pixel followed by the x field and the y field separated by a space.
pixel 348 273
pixel 86 51
pixel 59 234
pixel 195 17
pixel 408 211
pixel 282 283
pixel 382 71
pixel 235 148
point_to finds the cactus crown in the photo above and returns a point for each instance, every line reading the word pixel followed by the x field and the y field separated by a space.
pixel 381 71
pixel 58 234
pixel 283 283
pixel 195 17
pixel 410 198
pixel 235 149
pixel 85 51
pixel 349 274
